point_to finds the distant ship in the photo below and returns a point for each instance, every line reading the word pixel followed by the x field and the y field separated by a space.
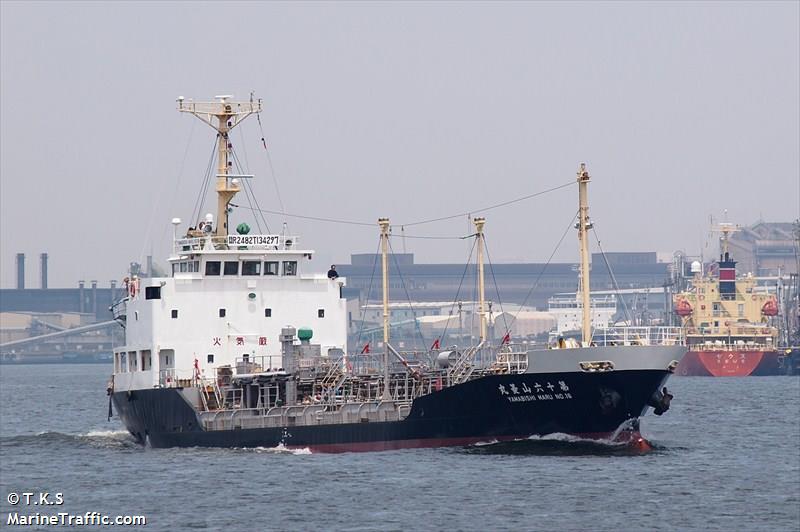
pixel 220 352
pixel 726 320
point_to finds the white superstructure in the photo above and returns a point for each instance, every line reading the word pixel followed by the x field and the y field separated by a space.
pixel 228 296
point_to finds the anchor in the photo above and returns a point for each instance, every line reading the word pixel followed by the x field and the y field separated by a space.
pixel 660 401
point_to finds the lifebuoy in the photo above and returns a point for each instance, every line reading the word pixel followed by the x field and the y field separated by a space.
pixel 727 324
pixel 702 297
pixel 133 289
pixel 753 297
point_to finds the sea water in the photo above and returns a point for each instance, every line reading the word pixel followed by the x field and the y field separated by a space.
pixel 725 457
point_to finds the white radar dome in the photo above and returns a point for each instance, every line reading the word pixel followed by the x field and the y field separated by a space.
pixel 696 267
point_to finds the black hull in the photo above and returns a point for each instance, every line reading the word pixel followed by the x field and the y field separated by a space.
pixel 587 404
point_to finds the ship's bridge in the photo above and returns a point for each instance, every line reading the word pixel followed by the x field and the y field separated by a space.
pixel 238 255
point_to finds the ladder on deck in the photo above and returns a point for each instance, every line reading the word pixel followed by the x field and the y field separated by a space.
pixel 463 368
pixel 211 396
pixel 335 378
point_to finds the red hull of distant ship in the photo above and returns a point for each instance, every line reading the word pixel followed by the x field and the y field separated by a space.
pixel 729 363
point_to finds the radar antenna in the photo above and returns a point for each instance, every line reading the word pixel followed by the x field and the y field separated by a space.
pixel 725 229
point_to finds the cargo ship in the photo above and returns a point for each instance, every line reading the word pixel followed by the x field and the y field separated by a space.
pixel 727 321
pixel 245 345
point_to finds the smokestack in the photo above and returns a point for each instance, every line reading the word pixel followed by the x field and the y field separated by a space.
pixel 150 266
pixel 43 270
pixel 94 298
pixel 113 291
pixel 20 271
pixel 81 295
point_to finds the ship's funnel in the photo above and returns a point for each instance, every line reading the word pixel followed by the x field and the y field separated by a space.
pixel 727 277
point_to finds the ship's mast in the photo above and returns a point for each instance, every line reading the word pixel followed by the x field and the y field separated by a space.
pixel 222 115
pixel 479 222
pixel 384 225
pixel 725 229
pixel 583 228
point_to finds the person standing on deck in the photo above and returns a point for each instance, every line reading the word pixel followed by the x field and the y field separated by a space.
pixel 332 273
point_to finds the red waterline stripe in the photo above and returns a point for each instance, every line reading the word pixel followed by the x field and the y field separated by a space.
pixel 392 445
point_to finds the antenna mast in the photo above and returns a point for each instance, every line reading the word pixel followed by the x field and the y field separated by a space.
pixel 725 229
pixel 222 115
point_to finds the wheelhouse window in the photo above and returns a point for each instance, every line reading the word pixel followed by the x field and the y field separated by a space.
pixel 271 268
pixel 231 268
pixel 251 267
pixel 210 359
pixel 213 267
pixel 267 312
pixel 222 313
pixel 190 266
pixel 321 313
pixel 174 314
pixel 290 267
pixel 152 292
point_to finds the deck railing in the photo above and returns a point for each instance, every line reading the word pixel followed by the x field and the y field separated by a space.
pixel 299 415
pixel 639 336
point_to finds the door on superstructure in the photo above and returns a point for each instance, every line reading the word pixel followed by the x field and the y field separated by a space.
pixel 166 367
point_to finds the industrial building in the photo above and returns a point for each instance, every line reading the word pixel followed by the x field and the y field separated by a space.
pixel 767 249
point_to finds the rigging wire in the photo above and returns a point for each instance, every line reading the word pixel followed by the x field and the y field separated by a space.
pixel 549 259
pixel 372 224
pixel 408 296
pixel 244 148
pixel 613 278
pixel 436 237
pixel 247 191
pixel 474 298
pixel 255 200
pixel 315 218
pixel 496 288
pixel 458 290
pixel 369 294
pixel 269 161
pixel 201 196
pixel 247 194
pixel 247 187
pixel 495 206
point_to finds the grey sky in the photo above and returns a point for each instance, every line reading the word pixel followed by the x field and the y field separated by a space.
pixel 411 111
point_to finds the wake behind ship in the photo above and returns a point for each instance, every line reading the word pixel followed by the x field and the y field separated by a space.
pixel 244 346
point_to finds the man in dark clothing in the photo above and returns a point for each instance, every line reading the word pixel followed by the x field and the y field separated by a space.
pixel 332 274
